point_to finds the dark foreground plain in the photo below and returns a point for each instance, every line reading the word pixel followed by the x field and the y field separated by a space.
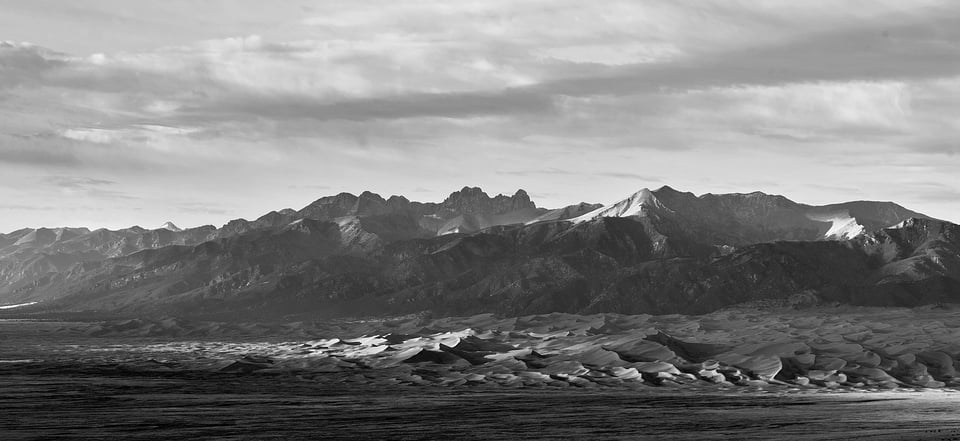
pixel 539 377
pixel 97 406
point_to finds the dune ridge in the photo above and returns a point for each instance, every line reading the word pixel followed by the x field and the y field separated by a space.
pixel 825 348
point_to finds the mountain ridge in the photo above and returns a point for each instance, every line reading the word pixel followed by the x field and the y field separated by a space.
pixel 663 251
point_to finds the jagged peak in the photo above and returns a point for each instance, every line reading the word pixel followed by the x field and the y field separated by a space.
pixel 520 199
pixel 473 200
pixel 467 191
pixel 915 222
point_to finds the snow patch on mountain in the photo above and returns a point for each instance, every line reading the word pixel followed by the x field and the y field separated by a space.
pixel 842 225
pixel 170 226
pixel 19 305
pixel 634 205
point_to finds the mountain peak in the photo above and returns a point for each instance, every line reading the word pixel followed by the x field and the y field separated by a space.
pixel 371 195
pixel 667 189
pixel 471 190
pixel 473 200
pixel 642 198
pixel 170 226
pixel 914 222
pixel 634 205
pixel 521 200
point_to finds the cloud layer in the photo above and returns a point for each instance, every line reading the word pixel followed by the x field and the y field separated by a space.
pixel 256 108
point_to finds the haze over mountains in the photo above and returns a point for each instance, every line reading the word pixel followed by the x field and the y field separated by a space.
pixel 656 251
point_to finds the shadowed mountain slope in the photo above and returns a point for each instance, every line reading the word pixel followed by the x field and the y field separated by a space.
pixel 656 252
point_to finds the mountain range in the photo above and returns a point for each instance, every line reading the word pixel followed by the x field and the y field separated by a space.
pixel 656 251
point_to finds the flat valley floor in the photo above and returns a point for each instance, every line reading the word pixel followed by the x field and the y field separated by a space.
pixel 170 379
pixel 230 407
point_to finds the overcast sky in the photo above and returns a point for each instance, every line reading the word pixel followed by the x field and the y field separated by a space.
pixel 121 112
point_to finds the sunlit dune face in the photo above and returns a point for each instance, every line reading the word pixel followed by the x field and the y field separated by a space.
pixel 827 349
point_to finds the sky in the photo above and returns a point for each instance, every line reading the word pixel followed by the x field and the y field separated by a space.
pixel 130 112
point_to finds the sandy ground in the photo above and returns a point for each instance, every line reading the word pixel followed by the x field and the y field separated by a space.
pixel 840 373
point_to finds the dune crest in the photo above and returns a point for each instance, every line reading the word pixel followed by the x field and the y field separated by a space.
pixel 869 348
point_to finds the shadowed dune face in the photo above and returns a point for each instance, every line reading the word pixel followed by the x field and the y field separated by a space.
pixel 836 348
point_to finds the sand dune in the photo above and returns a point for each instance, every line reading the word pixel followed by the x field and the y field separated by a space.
pixel 797 350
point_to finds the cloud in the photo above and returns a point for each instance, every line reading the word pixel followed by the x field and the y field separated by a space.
pixel 202 209
pixel 507 60
pixel 860 55
pixel 73 182
pixel 98 136
pixel 24 207
pixel 636 176
pixel 86 187
pixel 447 105
pixel 932 191
pixel 559 172
pixel 22 63
pixel 309 186
pixel 36 149
pixel 410 94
